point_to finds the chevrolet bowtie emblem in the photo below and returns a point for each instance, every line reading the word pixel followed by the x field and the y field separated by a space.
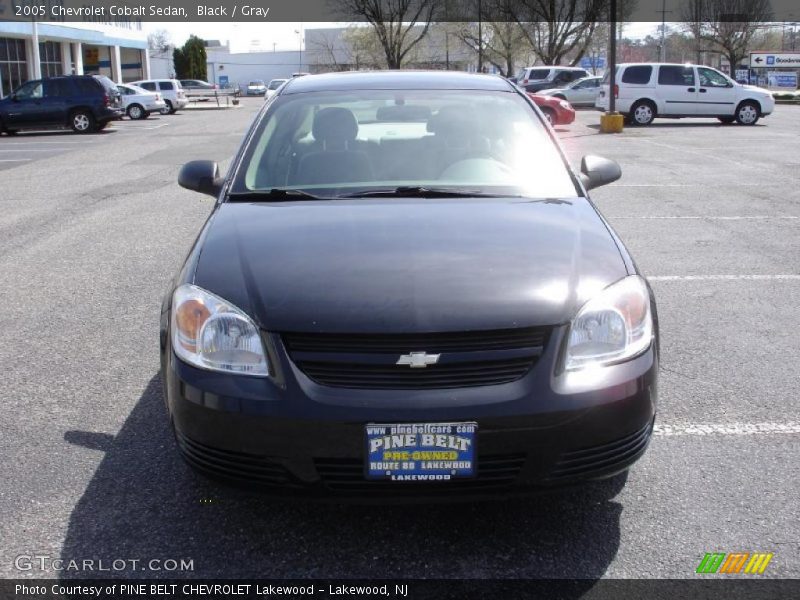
pixel 418 360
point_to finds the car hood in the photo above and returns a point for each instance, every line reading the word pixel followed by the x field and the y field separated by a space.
pixel 755 88
pixel 398 266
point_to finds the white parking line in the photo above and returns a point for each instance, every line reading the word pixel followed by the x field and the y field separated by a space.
pixel 716 218
pixel 31 150
pixel 21 143
pixel 130 127
pixel 789 277
pixel 14 159
pixel 702 429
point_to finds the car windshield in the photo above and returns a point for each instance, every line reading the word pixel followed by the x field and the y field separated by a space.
pixel 256 83
pixel 335 144
pixel 276 83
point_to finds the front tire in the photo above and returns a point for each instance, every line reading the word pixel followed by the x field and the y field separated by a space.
pixel 747 113
pixel 167 110
pixel 82 121
pixel 643 113
pixel 136 112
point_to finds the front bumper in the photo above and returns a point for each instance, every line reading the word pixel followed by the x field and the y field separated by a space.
pixel 291 435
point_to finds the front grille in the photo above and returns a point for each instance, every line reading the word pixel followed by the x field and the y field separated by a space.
pixel 468 359
pixel 400 343
pixel 598 459
pixel 347 475
pixel 234 466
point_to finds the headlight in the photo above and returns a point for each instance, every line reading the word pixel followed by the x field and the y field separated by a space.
pixel 565 104
pixel 212 334
pixel 614 326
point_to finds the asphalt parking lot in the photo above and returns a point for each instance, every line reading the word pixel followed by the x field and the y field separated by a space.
pixel 92 228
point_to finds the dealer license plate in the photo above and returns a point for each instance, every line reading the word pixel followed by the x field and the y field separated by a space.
pixel 420 451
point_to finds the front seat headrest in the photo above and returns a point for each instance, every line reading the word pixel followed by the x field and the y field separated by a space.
pixel 335 124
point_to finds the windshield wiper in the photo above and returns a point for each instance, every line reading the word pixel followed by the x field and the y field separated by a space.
pixel 412 191
pixel 274 194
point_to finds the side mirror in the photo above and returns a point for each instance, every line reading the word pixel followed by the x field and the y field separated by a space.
pixel 597 171
pixel 201 176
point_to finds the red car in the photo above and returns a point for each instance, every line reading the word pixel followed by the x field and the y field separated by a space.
pixel 557 111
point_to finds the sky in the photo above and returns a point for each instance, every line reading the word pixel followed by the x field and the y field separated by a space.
pixel 281 36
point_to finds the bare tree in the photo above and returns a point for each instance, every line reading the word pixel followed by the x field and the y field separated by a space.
pixel 557 28
pixel 504 43
pixel 159 41
pixel 727 25
pixel 395 23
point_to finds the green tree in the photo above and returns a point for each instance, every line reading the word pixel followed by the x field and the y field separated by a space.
pixel 191 60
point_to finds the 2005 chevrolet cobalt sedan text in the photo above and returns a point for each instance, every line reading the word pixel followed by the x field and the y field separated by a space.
pixel 404 290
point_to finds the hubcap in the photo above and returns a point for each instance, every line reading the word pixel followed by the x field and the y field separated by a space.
pixel 643 114
pixel 136 112
pixel 81 122
pixel 747 114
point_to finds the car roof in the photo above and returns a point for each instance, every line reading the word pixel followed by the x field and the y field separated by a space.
pixel 396 80
pixel 656 64
pixel 562 67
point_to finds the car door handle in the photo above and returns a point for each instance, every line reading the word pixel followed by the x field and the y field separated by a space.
pixel 690 89
pixel 702 90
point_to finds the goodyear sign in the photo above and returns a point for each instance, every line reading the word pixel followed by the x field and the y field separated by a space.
pixel 788 60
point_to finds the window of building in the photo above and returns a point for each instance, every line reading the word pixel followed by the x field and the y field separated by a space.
pixel 50 59
pixel 13 67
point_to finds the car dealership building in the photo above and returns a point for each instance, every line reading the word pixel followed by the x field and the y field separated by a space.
pixel 30 50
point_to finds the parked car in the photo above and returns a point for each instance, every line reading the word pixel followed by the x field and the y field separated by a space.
pixel 414 302
pixel 138 102
pixel 534 79
pixel 645 91
pixel 197 85
pixel 582 92
pixel 256 88
pixel 84 103
pixel 556 110
pixel 171 92
pixel 273 87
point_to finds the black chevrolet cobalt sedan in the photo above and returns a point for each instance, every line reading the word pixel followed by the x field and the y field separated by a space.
pixel 404 290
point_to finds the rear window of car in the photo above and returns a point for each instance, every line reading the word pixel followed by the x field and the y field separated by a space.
pixel 538 73
pixel 86 85
pixel 675 75
pixel 148 85
pixel 637 74
pixel 106 82
pixel 166 85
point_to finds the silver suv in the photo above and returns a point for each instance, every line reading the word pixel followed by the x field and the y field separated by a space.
pixel 534 79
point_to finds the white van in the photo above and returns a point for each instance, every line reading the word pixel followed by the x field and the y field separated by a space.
pixel 171 91
pixel 645 91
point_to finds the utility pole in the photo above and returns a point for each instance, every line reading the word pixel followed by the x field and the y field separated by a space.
pixel 662 54
pixel 480 37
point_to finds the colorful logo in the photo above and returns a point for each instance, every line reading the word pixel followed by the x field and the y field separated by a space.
pixel 752 563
